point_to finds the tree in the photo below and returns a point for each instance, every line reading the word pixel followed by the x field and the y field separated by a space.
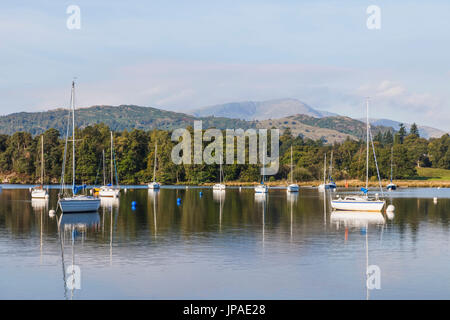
pixel 401 133
pixel 414 130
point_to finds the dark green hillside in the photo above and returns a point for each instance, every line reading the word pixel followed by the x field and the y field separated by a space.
pixel 117 118
pixel 342 124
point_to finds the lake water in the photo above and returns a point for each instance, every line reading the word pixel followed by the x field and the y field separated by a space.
pixel 224 246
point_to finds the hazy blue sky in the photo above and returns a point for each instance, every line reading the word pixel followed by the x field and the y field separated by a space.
pixel 181 55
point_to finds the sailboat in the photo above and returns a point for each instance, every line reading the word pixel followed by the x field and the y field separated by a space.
pixel 220 185
pixel 109 190
pixel 330 184
pixel 293 187
pixel 75 203
pixel 391 186
pixel 262 188
pixel 154 184
pixel 356 202
pixel 39 192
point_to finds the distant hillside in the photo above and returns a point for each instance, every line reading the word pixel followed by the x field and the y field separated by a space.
pixel 329 129
pixel 260 110
pixel 424 131
pixel 346 125
pixel 306 131
pixel 117 118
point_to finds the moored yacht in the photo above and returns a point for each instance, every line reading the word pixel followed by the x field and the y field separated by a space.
pixel 220 186
pixel 262 188
pixel 357 202
pixel 75 203
pixel 39 192
pixel 154 184
pixel 293 187
pixel 109 190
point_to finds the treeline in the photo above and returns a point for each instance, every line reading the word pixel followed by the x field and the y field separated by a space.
pixel 134 153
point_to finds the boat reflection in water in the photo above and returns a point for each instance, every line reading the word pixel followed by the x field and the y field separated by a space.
pixel 356 218
pixel 219 196
pixel 72 226
pixel 262 199
pixel 153 195
pixel 292 196
pixel 39 203
pixel 109 202
pixel 362 220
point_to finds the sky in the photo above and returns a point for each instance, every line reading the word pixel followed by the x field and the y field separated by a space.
pixel 182 55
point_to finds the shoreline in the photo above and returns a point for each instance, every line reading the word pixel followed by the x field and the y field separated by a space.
pixel 284 183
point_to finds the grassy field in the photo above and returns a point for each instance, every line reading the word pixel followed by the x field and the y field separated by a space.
pixel 433 174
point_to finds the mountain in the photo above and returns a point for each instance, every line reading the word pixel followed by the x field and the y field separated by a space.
pixel 306 131
pixel 118 118
pixel 424 131
pixel 329 129
pixel 260 110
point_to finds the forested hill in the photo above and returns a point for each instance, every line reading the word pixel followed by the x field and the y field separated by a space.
pixel 118 118
pixel 127 117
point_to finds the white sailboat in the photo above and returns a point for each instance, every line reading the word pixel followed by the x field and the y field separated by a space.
pixel 391 186
pixel 220 186
pixel 109 190
pixel 293 187
pixel 39 192
pixel 154 184
pixel 357 202
pixel 330 185
pixel 75 203
pixel 262 188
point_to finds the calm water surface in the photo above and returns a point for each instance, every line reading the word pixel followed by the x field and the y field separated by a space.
pixel 224 246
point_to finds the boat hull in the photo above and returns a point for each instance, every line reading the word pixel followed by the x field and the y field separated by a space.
pixel 327 186
pixel 79 204
pixel 367 206
pixel 293 188
pixel 219 187
pixel 153 185
pixel 391 187
pixel 261 189
pixel 39 194
pixel 109 193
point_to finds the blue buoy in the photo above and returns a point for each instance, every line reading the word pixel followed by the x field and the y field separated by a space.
pixel 201 194
pixel 133 203
pixel 363 231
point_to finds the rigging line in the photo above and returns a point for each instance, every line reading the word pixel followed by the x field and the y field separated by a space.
pixel 376 164
pixel 98 171
pixel 63 169
pixel 115 167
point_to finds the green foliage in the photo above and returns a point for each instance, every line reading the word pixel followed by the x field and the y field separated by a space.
pixel 20 153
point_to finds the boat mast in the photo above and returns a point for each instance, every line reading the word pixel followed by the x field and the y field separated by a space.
pixel 112 181
pixel 42 160
pixel 220 170
pixel 324 168
pixel 392 156
pixel 367 142
pixel 73 137
pixel 154 167
pixel 292 172
pixel 331 165
pixel 104 173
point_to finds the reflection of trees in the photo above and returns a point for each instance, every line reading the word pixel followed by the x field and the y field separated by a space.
pixel 201 214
